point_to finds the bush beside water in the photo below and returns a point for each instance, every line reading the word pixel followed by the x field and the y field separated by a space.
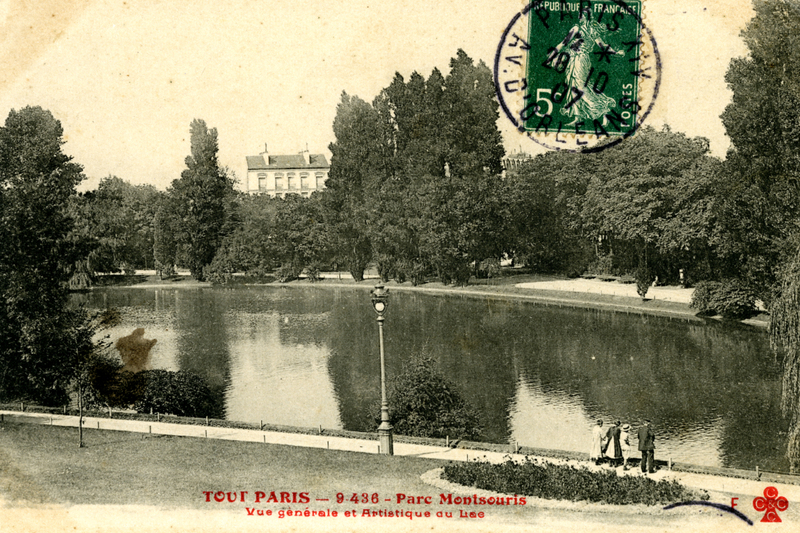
pixel 567 482
pixel 729 298
pixel 422 403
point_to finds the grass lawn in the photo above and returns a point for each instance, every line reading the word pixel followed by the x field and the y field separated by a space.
pixel 42 464
pixel 124 482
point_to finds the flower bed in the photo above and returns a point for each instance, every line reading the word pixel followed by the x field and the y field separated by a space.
pixel 568 482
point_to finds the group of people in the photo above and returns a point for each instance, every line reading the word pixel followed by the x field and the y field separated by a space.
pixel 614 445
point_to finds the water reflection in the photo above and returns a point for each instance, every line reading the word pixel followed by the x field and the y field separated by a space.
pixel 278 377
pixel 537 375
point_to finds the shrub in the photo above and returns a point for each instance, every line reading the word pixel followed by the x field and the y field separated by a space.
pixel 567 482
pixel 644 278
pixel 288 272
pixel 221 269
pixel 422 403
pixel 488 268
pixel 729 298
pixel 418 273
pixel 180 393
pixel 165 270
pixel 313 271
pixel 603 264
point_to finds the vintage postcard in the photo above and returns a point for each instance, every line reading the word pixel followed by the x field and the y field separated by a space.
pixel 399 265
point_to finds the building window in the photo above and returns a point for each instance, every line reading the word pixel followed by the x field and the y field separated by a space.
pixel 262 181
pixel 305 183
pixel 278 181
pixel 291 180
pixel 320 180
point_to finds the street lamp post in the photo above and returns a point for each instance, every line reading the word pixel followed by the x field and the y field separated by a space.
pixel 379 303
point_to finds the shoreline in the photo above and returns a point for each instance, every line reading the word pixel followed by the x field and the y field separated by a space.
pixel 500 289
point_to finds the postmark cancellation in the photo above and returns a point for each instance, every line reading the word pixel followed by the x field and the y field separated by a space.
pixel 577 75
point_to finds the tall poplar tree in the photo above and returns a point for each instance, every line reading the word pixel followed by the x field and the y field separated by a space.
pixel 357 158
pixel 200 197
pixel 415 175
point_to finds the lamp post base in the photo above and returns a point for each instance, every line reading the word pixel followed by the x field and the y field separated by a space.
pixel 386 440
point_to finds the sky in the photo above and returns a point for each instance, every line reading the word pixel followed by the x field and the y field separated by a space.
pixel 126 78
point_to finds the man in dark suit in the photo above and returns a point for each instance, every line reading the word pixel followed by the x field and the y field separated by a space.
pixel 647 446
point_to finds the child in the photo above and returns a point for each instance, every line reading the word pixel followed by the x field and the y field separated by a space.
pixel 625 442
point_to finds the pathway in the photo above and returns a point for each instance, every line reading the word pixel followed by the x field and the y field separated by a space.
pixel 611 288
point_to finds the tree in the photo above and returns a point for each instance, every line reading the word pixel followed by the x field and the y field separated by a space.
pixel 249 247
pixel 300 238
pixel 545 199
pixel 761 198
pixel 649 199
pixel 165 231
pixel 784 336
pixel 85 355
pixel 643 281
pixel 117 221
pixel 180 393
pixel 357 158
pixel 414 181
pixel 439 197
pixel 758 202
pixel 200 197
pixel 471 111
pixel 37 180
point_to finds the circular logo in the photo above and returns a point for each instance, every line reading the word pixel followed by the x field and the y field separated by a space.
pixel 577 76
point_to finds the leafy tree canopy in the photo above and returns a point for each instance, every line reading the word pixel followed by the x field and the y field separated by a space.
pixel 200 197
pixel 38 330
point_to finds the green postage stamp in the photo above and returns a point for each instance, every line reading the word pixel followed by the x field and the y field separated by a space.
pixel 577 75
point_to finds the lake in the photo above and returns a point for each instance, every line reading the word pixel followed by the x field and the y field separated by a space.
pixel 537 375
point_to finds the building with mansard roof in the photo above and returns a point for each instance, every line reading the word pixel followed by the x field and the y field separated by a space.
pixel 279 175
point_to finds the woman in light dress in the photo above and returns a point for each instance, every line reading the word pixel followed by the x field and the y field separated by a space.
pixel 596 451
